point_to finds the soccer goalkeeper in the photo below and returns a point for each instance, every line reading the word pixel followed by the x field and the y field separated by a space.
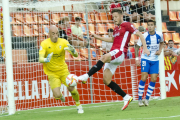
pixel 52 55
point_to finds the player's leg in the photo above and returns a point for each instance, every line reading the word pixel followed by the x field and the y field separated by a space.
pixel 73 91
pixel 144 75
pixel 154 71
pixel 104 59
pixel 55 85
pixel 109 70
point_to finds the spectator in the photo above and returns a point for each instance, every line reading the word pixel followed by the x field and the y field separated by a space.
pixel 147 15
pixel 106 46
pixel 151 2
pixel 62 33
pixel 67 25
pixel 171 45
pixel 115 5
pixel 126 7
pixel 137 8
pixel 77 30
pixel 170 50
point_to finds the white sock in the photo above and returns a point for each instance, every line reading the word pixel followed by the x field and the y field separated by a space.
pixel 126 97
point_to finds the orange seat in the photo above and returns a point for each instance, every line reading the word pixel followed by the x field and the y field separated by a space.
pixel 174 46
pixel 62 15
pixel 27 30
pixel 101 29
pixel 136 25
pixel 84 52
pixel 167 36
pixel 178 46
pixel 45 29
pixel 176 37
pixel 19 17
pixel 79 56
pixel 84 18
pixel 95 17
pixel 91 28
pixel 164 27
pixel 99 43
pixel 19 56
pixel 172 15
pixel 108 26
pixel 55 17
pixel 133 38
pixel 35 30
pixel 12 20
pixel 17 30
pixel 68 56
pixel 46 18
pixel 178 15
pixel 109 16
pixel 38 18
pixel 100 53
pixel 103 17
pixel 29 18
pixel 144 25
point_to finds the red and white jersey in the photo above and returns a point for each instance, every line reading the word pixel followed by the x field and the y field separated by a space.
pixel 122 36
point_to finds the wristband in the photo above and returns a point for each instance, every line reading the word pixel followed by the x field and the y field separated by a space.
pixel 137 58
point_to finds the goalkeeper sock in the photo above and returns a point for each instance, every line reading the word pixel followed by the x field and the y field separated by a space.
pixel 116 89
pixel 150 89
pixel 75 96
pixel 141 89
pixel 96 68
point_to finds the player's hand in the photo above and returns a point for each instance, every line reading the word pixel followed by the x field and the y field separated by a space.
pixel 158 52
pixel 146 51
pixel 48 57
pixel 138 63
pixel 70 48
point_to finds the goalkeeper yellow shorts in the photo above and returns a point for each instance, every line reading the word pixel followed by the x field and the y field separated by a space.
pixel 56 79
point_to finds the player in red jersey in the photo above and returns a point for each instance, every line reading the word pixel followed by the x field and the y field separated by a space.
pixel 121 38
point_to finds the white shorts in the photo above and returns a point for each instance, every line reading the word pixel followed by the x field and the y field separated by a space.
pixel 117 58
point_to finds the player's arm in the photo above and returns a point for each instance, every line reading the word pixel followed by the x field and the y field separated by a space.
pixel 137 46
pixel 71 50
pixel 146 51
pixel 42 53
pixel 160 48
pixel 106 39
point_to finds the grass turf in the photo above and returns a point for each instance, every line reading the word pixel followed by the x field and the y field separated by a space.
pixel 157 110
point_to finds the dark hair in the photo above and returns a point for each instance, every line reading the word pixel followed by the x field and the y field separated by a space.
pixel 110 30
pixel 170 41
pixel 165 42
pixel 151 21
pixel 61 22
pixel 77 19
pixel 116 10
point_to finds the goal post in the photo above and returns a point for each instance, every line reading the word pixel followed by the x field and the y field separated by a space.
pixel 28 26
pixel 8 54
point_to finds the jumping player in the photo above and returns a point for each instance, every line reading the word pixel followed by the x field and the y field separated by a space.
pixel 121 38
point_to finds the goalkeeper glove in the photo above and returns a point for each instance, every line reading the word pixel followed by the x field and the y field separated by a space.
pixel 48 58
pixel 70 48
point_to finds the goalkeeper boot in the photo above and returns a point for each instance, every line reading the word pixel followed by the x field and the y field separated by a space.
pixel 127 100
pixel 146 102
pixel 83 78
pixel 140 102
pixel 80 109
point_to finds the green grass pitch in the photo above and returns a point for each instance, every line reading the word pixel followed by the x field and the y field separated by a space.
pixel 157 110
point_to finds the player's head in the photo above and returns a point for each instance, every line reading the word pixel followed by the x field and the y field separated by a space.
pixel 77 21
pixel 110 32
pixel 151 25
pixel 66 22
pixel 117 16
pixel 170 43
pixel 53 33
pixel 164 45
pixel 141 2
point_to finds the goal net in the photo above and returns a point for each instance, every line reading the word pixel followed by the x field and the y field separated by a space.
pixel 30 21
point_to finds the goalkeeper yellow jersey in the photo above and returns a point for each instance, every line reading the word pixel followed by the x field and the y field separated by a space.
pixel 57 62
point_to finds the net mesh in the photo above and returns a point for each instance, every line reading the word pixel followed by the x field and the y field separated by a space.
pixel 30 21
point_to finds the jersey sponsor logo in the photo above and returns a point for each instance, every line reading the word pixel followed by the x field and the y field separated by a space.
pixel 143 63
pixel 60 46
pixel 155 47
pixel 116 34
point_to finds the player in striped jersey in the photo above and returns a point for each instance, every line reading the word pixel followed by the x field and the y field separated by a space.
pixel 149 64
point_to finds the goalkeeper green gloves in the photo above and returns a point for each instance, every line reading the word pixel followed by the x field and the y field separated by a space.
pixel 70 48
pixel 48 58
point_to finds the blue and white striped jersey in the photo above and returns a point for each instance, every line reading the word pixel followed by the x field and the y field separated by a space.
pixel 152 42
